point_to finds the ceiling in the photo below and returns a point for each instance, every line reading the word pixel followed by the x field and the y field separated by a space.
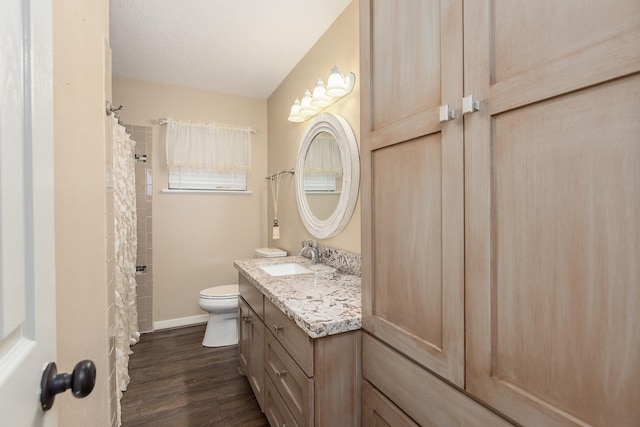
pixel 238 47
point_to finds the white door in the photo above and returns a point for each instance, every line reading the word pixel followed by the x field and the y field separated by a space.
pixel 27 268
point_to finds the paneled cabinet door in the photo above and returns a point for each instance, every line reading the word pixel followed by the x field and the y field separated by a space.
pixel 243 335
pixel 552 211
pixel 251 348
pixel 256 358
pixel 412 190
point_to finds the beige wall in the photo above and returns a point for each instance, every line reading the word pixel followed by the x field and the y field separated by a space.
pixel 79 29
pixel 196 237
pixel 339 46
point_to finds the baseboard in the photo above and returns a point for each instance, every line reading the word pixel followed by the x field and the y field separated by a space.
pixel 180 322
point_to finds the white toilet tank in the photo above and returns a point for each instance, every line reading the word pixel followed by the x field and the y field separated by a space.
pixel 270 253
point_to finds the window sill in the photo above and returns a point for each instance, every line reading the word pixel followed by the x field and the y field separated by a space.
pixel 328 193
pixel 219 192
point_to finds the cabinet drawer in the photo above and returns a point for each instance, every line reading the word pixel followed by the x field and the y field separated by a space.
pixel 251 295
pixel 295 340
pixel 295 389
pixel 377 410
pixel 425 398
pixel 275 409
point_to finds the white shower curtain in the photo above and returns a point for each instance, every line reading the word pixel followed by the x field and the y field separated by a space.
pixel 126 312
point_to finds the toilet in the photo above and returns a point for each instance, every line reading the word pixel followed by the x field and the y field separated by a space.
pixel 221 302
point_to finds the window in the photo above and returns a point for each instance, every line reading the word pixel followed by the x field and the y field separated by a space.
pixel 207 156
pixel 323 165
pixel 319 183
pixel 205 180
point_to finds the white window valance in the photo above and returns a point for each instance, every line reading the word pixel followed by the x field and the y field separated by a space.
pixel 207 147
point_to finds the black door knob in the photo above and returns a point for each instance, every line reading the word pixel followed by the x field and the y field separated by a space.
pixel 80 381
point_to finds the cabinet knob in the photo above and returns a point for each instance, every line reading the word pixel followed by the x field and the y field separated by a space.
pixel 281 374
pixel 469 105
pixel 277 328
pixel 446 113
pixel 246 319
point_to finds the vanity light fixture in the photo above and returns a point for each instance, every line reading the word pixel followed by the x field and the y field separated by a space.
pixel 337 87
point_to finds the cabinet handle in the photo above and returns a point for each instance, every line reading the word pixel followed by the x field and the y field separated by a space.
pixel 446 113
pixel 277 328
pixel 280 374
pixel 469 105
pixel 246 319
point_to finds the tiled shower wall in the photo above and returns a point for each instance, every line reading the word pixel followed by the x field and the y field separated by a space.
pixel 142 135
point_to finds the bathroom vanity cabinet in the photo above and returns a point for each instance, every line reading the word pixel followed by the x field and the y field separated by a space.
pixel 298 380
pixel 500 212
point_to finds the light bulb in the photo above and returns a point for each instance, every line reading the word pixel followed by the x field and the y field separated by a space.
pixel 335 84
pixel 294 115
pixel 320 99
pixel 306 109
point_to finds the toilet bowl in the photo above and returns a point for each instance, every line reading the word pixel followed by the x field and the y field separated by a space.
pixel 221 302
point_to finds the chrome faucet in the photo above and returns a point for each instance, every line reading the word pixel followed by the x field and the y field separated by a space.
pixel 310 246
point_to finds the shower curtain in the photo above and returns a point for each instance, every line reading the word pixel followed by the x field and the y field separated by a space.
pixel 125 231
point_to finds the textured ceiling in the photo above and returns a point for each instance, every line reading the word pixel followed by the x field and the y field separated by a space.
pixel 239 47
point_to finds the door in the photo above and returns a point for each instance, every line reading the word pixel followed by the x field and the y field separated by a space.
pixel 553 210
pixel 412 190
pixel 27 270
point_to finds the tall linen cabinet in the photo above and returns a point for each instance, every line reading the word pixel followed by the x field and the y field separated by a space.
pixel 500 147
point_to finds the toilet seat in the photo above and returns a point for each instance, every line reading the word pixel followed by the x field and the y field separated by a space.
pixel 220 292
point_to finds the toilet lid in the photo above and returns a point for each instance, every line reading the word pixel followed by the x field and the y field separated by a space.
pixel 221 291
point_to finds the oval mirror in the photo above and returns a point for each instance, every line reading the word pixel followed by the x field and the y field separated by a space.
pixel 329 175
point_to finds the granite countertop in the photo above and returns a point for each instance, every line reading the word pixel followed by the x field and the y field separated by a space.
pixel 326 302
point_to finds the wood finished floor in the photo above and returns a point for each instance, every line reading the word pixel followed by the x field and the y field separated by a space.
pixel 176 382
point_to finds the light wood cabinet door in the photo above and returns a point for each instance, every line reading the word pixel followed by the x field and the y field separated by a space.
pixel 251 343
pixel 256 370
pixel 244 345
pixel 412 189
pixel 552 211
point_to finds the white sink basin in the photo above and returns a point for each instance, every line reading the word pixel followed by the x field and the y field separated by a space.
pixel 287 269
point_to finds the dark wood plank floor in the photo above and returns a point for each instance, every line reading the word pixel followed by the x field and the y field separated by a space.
pixel 176 382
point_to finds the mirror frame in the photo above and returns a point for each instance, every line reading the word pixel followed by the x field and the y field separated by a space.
pixel 340 129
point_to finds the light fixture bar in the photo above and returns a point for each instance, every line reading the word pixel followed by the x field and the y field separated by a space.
pixel 338 86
